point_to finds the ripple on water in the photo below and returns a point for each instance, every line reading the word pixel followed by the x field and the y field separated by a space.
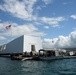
pixel 58 67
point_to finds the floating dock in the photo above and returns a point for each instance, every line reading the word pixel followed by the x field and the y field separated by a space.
pixel 29 56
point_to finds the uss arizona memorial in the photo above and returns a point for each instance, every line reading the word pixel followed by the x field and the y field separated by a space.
pixel 21 44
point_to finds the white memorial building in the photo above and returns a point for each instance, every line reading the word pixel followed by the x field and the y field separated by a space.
pixel 22 44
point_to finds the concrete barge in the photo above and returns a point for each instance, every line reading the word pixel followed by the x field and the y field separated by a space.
pixel 23 57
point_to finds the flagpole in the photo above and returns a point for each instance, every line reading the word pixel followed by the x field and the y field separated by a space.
pixel 11 31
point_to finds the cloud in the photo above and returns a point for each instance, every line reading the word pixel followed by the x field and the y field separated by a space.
pixel 2 38
pixel 46 27
pixel 47 1
pixel 73 16
pixel 66 3
pixel 73 38
pixel 38 8
pixel 0 20
pixel 17 30
pixel 54 22
pixel 26 10
pixel 48 43
pixel 61 42
pixel 23 29
pixel 21 9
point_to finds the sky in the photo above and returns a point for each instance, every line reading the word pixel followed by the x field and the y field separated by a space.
pixel 52 20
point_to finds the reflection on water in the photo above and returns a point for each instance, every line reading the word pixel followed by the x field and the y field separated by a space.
pixel 57 67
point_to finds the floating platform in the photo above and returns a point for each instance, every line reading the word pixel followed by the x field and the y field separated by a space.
pixel 41 58
pixel 20 56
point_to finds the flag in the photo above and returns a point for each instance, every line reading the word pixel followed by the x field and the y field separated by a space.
pixel 52 41
pixel 8 27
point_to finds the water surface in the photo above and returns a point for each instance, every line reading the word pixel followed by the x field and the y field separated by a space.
pixel 56 67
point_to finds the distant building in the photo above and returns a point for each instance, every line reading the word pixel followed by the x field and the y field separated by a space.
pixel 22 44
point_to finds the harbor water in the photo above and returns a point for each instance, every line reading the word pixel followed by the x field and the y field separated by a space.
pixel 55 67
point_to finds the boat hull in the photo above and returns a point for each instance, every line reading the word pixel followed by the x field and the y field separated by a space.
pixel 51 58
